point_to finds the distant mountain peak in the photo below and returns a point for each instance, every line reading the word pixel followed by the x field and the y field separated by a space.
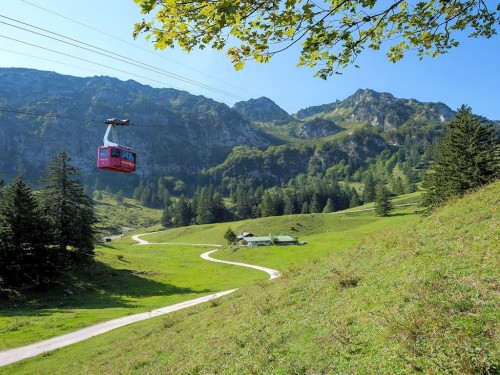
pixel 263 110
pixel 378 109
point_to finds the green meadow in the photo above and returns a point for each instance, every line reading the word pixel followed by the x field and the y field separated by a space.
pixel 126 279
pixel 403 294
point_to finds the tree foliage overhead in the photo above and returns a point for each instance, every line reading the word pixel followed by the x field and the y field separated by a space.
pixel 331 33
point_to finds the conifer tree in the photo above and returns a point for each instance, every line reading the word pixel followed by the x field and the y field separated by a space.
pixel 398 186
pixel 267 205
pixel 369 190
pixel 230 236
pixel 354 200
pixel 24 251
pixel 383 204
pixel 182 212
pixel 328 207
pixel 466 157
pixel 316 205
pixel 119 197
pixel 69 210
pixel 290 206
pixel 166 217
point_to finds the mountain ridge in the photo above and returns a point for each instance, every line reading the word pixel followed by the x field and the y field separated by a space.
pixel 176 133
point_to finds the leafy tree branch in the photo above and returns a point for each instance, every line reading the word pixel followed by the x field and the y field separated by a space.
pixel 332 34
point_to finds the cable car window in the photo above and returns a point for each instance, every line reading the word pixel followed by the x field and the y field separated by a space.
pixel 103 153
pixel 125 155
pixel 115 153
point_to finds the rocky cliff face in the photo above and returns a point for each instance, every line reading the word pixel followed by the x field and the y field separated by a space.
pixel 262 110
pixel 379 109
pixel 383 109
pixel 317 128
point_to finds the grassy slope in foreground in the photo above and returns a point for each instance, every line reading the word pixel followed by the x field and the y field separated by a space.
pixel 129 279
pixel 421 298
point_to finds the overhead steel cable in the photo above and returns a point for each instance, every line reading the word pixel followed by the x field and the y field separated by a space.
pixel 138 47
pixel 96 71
pixel 49 114
pixel 115 56
pixel 49 60
pixel 92 62
pixel 62 117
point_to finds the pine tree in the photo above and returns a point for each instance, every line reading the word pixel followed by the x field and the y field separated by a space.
pixel 369 190
pixel 316 205
pixel 24 251
pixel 182 212
pixel 328 207
pixel 267 205
pixel 219 209
pixel 203 204
pixel 119 197
pixel 383 204
pixel 69 211
pixel 230 236
pixel 166 217
pixel 354 200
pixel 466 157
pixel 290 206
pixel 398 186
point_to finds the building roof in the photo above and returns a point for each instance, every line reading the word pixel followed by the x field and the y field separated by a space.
pixel 244 235
pixel 286 239
pixel 258 239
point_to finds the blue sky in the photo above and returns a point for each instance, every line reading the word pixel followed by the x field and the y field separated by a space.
pixel 466 75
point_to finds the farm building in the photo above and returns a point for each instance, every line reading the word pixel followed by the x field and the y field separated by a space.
pixel 267 240
pixel 244 235
pixel 257 241
pixel 285 240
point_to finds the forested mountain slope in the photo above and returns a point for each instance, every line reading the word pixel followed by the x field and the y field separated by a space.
pixel 173 130
pixel 201 141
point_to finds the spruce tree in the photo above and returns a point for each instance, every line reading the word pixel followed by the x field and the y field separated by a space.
pixel 398 186
pixel 69 210
pixel 167 217
pixel 24 251
pixel 328 207
pixel 383 204
pixel 267 205
pixel 369 190
pixel 182 212
pixel 466 157
pixel 230 236
pixel 354 200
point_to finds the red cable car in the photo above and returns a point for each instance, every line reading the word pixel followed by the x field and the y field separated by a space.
pixel 113 157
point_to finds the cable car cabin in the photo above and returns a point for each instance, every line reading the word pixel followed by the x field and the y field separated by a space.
pixel 116 158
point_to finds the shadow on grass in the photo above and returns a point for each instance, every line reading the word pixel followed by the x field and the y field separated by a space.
pixel 99 287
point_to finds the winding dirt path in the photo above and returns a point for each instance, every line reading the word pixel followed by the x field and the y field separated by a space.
pixel 273 274
pixel 18 354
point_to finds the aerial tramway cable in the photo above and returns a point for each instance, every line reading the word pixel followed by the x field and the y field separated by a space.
pixel 110 54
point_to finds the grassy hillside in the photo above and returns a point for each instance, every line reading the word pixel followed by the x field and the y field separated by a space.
pixel 130 214
pixel 128 279
pixel 423 297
